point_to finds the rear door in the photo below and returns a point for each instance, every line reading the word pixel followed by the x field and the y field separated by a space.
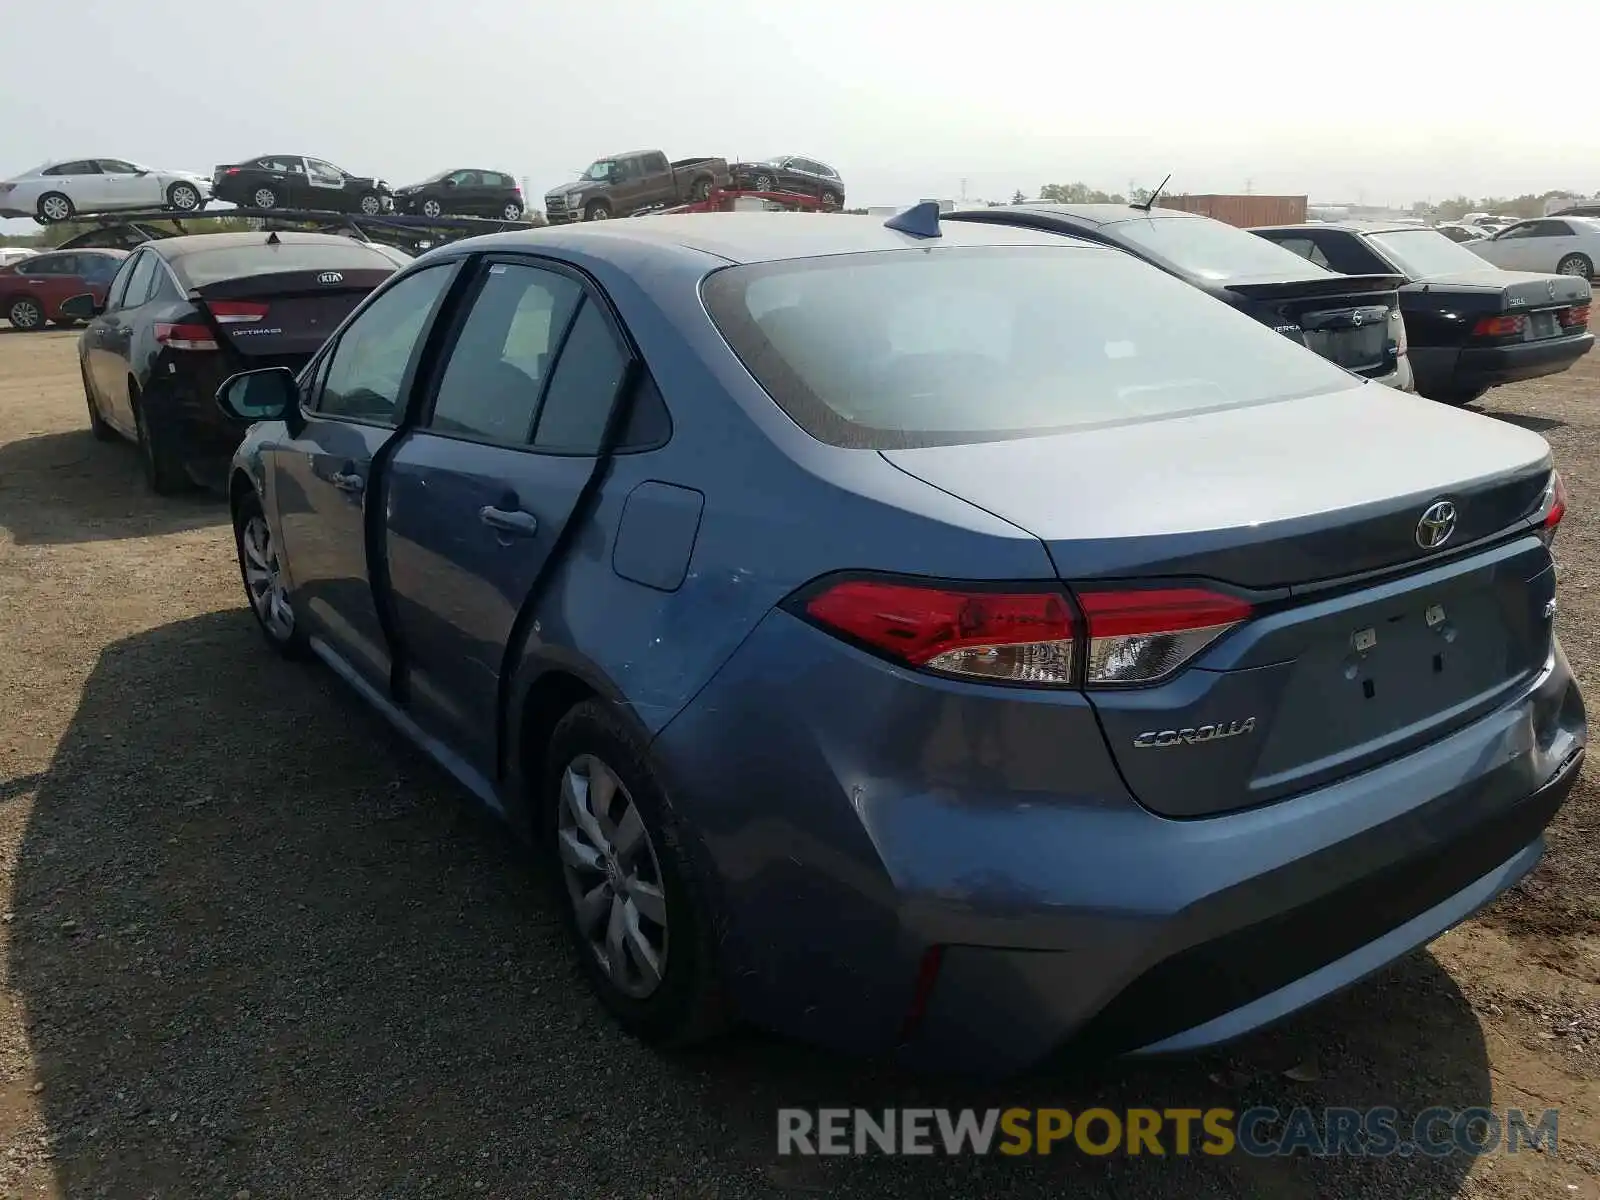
pixel 467 196
pixel 479 494
pixel 322 476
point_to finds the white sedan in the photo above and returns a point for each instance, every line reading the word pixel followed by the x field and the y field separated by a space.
pixel 58 191
pixel 1564 245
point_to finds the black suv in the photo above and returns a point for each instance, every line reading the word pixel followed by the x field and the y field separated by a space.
pixel 296 181
pixel 791 173
pixel 463 192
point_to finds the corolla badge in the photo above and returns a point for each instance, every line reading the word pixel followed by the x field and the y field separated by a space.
pixel 1194 735
pixel 330 277
pixel 1437 524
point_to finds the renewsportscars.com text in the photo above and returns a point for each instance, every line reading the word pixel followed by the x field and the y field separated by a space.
pixel 1260 1132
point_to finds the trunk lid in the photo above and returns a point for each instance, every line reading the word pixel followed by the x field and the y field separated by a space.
pixel 1344 318
pixel 282 315
pixel 1362 644
pixel 1519 290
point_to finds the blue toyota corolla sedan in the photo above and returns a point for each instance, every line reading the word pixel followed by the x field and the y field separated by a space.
pixel 956 641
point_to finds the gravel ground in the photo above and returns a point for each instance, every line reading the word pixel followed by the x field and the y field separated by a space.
pixel 255 945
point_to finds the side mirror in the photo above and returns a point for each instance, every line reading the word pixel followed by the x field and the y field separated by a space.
pixel 270 394
pixel 450 183
pixel 82 307
pixel 141 173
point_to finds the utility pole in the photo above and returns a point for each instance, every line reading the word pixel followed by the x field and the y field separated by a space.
pixel 963 191
pixel 1249 187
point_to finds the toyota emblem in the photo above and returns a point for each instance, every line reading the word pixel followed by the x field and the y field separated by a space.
pixel 1438 522
pixel 330 277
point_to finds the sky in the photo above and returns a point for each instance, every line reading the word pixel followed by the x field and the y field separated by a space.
pixel 1371 103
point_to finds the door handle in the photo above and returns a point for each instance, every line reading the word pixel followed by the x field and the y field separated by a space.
pixel 348 481
pixel 515 522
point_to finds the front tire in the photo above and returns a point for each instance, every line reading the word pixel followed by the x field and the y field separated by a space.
pixel 184 197
pixel 25 314
pixel 830 201
pixel 99 427
pixel 371 204
pixel 431 208
pixel 163 468
pixel 597 210
pixel 55 207
pixel 262 573
pixel 1576 264
pixel 762 183
pixel 633 905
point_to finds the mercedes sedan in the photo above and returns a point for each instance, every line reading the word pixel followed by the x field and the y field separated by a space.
pixel 938 638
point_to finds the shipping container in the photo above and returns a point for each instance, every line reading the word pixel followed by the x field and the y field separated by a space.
pixel 1243 211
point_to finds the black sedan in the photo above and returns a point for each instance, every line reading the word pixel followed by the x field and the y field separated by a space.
pixel 463 192
pixel 297 181
pixel 791 173
pixel 1354 322
pixel 1471 325
pixel 184 313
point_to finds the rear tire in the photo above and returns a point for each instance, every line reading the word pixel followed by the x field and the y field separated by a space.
pixel 261 572
pixel 25 314
pixel 55 207
pixel 1576 264
pixel 163 469
pixel 1455 396
pixel 264 197
pixel 98 425
pixel 511 212
pixel 184 197
pixel 683 1004
pixel 702 188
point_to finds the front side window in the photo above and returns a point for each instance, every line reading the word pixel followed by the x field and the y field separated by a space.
pixel 119 284
pixel 490 387
pixel 601 170
pixel 368 366
pixel 115 166
pixel 943 346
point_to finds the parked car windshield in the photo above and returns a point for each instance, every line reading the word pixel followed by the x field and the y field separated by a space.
pixel 203 267
pixel 942 346
pixel 1424 252
pixel 1211 250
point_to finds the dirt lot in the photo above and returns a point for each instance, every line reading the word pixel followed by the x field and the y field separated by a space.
pixel 254 945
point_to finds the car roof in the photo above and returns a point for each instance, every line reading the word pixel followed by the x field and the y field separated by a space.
pixel 1087 214
pixel 747 237
pixel 1350 227
pixel 193 243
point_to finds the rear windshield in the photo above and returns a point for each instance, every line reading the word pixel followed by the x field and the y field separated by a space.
pixel 204 267
pixel 1211 250
pixel 936 346
pixel 1421 252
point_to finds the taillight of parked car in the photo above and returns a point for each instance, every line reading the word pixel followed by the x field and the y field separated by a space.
pixel 236 312
pixel 1397 331
pixel 1552 507
pixel 1576 317
pixel 1034 636
pixel 1512 325
pixel 185 337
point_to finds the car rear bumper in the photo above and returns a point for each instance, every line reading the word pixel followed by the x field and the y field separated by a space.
pixel 1490 366
pixel 852 816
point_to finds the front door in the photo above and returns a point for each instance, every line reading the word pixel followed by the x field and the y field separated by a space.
pixel 130 186
pixel 325 186
pixel 479 493
pixel 324 476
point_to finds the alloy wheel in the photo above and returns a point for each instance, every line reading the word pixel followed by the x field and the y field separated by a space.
pixel 56 208
pixel 185 198
pixel 265 198
pixel 512 212
pixel 613 877
pixel 25 314
pixel 371 205
pixel 1573 266
pixel 263 579
pixel 430 208
pixel 763 183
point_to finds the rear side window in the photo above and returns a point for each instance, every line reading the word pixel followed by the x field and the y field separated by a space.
pixel 942 346
pixel 1207 249
pixel 203 267
pixel 139 282
pixel 1306 249
pixel 577 404
pixel 490 387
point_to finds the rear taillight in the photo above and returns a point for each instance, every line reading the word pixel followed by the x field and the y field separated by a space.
pixel 1016 637
pixel 1146 635
pixel 1132 636
pixel 1497 327
pixel 1576 317
pixel 236 312
pixel 231 171
pixel 1552 507
pixel 185 337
